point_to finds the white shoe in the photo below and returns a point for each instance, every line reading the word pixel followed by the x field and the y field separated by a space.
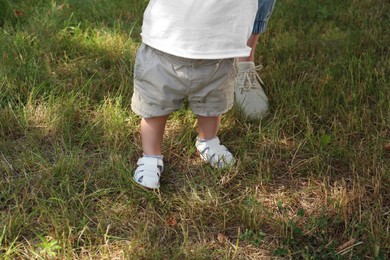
pixel 149 172
pixel 214 153
pixel 248 91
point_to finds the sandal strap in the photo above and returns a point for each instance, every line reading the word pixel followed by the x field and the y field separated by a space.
pixel 216 154
pixel 214 147
pixel 148 172
pixel 150 163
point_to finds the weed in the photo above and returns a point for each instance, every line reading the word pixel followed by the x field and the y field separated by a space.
pixel 311 179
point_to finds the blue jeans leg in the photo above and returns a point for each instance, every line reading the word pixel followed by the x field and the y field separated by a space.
pixel 264 11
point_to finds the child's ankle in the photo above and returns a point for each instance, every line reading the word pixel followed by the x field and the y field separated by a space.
pixel 204 139
pixel 153 156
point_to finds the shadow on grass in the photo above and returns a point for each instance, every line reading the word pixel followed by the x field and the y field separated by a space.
pixel 69 143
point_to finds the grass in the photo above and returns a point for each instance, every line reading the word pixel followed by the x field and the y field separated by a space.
pixel 311 181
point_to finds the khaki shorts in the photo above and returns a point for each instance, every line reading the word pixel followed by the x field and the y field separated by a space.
pixel 162 82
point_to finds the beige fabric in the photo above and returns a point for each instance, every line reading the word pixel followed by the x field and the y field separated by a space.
pixel 162 82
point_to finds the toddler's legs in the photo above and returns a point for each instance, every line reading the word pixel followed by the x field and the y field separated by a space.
pixel 208 126
pixel 208 144
pixel 152 131
pixel 151 165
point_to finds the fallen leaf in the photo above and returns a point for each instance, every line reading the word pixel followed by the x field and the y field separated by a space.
pixel 222 238
pixel 346 244
pixel 171 222
pixel 18 13
pixel 387 147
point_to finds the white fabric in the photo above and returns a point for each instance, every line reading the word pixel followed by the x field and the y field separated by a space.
pixel 249 93
pixel 200 29
pixel 148 172
pixel 214 153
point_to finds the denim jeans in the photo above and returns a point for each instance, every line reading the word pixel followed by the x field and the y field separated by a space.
pixel 264 11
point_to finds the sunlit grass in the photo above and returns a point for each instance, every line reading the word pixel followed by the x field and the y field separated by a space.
pixel 311 179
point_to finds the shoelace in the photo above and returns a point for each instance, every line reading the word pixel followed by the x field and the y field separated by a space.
pixel 250 76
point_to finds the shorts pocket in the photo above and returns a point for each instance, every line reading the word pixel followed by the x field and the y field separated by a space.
pixel 143 60
pixel 233 72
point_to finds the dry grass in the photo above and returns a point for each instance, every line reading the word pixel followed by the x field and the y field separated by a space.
pixel 311 179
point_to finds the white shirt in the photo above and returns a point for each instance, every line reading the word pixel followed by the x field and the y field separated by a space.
pixel 200 29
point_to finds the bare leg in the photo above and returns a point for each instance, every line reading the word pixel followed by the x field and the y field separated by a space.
pixel 252 42
pixel 209 150
pixel 152 131
pixel 208 126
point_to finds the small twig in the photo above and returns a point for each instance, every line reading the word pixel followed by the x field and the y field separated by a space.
pixel 296 151
pixel 346 250
pixel 5 159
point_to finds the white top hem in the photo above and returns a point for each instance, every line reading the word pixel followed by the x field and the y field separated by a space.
pixel 225 54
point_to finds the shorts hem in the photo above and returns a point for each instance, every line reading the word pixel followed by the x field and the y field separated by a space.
pixel 144 114
pixel 208 114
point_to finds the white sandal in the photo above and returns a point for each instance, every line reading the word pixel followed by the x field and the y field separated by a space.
pixel 148 172
pixel 214 153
